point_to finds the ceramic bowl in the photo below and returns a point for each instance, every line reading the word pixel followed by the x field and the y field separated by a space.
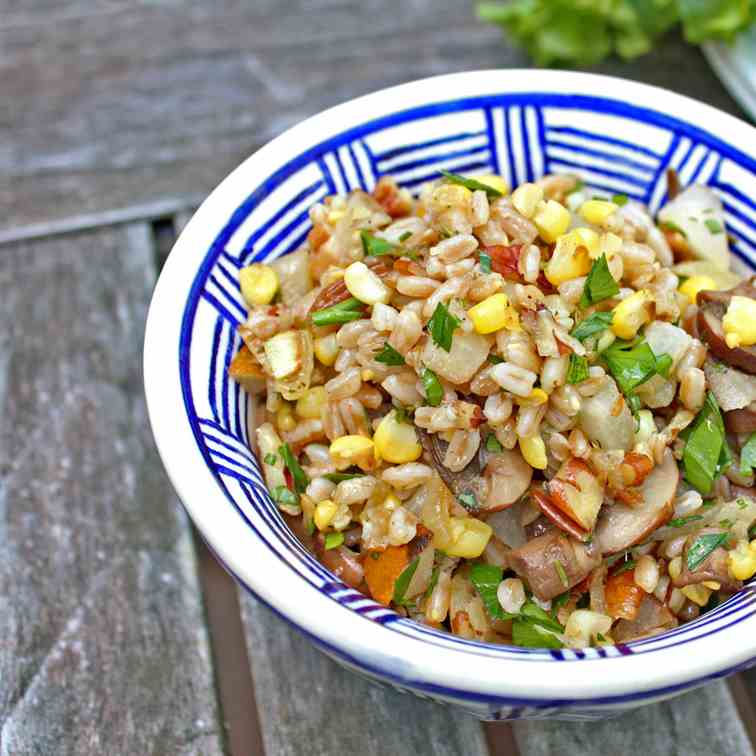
pixel 620 137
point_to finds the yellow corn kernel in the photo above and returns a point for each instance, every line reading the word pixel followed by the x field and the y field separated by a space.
pixel 447 196
pixel 572 255
pixel 551 220
pixel 352 450
pixel 311 403
pixel 712 585
pixel 469 537
pixel 675 568
pixel 694 284
pixel 391 502
pixel 698 594
pixel 526 198
pixel 534 451
pixel 285 418
pixel 631 313
pixel 742 561
pixel 259 284
pixel 325 511
pixel 326 349
pixel 739 322
pixel 367 374
pixel 493 314
pixel 597 211
pixel 396 441
pixel 535 398
pixel 492 180
pixel 335 216
pixel 365 285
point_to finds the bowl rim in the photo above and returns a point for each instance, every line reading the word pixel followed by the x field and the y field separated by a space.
pixel 440 672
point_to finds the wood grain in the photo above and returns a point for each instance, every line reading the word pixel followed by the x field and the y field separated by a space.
pixel 310 705
pixel 103 647
pixel 105 106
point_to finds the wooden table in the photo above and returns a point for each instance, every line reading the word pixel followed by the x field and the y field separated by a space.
pixel 118 632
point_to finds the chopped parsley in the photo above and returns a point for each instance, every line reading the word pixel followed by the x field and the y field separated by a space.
pixel 559 567
pixel 595 323
pixel 343 312
pixel 333 540
pixel 680 522
pixel 714 226
pixel 471 184
pixel 434 391
pixel 703 546
pixel 578 369
pixel 297 473
pixel 433 581
pixel 283 495
pixel 441 326
pixel 748 456
pixel 619 199
pixel 469 501
pixel 630 363
pixel 493 445
pixel 389 356
pixel 375 247
pixel 599 285
pixel 670 226
pixel 402 582
pixel 706 452
pixel 485 262
pixel 406 235
pixel 486 579
pixel 270 459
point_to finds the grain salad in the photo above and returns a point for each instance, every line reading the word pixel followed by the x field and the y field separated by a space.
pixel 525 417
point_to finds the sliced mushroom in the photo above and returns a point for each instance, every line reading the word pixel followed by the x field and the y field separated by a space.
pixel 536 563
pixel 620 527
pixel 732 388
pixel 714 567
pixel 712 306
pixel 470 479
pixel 741 420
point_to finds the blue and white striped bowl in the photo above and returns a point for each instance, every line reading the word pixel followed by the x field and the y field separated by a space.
pixel 620 137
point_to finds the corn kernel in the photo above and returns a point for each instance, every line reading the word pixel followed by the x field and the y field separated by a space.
pixel 352 450
pixel 597 211
pixel 534 451
pixel 326 349
pixel 526 198
pixel 259 284
pixel 311 403
pixel 447 196
pixel 469 537
pixel 335 216
pixel 742 561
pixel 675 568
pixel 493 314
pixel 535 398
pixel 551 220
pixel 285 418
pixel 365 285
pixel 694 284
pixel 325 511
pixel 572 256
pixel 396 441
pixel 739 322
pixel 492 180
pixel 367 374
pixel 631 313
pixel 391 502
pixel 698 594
pixel 712 585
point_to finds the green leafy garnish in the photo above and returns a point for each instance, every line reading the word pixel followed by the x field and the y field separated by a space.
pixel 406 235
pixel 726 523
pixel 748 456
pixel 339 477
pixel 441 326
pixel 630 363
pixel 486 579
pixel 372 246
pixel 434 391
pixel 402 582
pixel 297 473
pixel 389 356
pixel 559 567
pixel 599 285
pixel 494 359
pixel 530 635
pixel 270 459
pixel 532 612
pixel 679 522
pixel 714 226
pixel 559 602
pixel 625 566
pixel 309 525
pixel 469 501
pixel 706 449
pixel 343 312
pixel 670 226
pixel 485 262
pixel 619 199
pixel 493 445
pixel 595 323
pixel 663 364
pixel 600 637
pixel 703 546
pixel 333 540
pixel 433 581
pixel 578 369
pixel 471 184
pixel 283 495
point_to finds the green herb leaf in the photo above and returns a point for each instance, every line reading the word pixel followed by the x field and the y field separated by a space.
pixel 578 369
pixel 270 459
pixel 402 582
pixel 704 447
pixel 595 323
pixel 333 540
pixel 679 522
pixel 714 226
pixel 748 456
pixel 485 262
pixel 339 477
pixel 471 184
pixel 375 247
pixel 389 356
pixel 726 523
pixel 486 579
pixel 663 364
pixel 406 235
pixel 297 473
pixel 559 567
pixel 599 285
pixel 625 566
pixel 619 199
pixel 670 226
pixel 559 602
pixel 434 391
pixel 282 495
pixel 493 445
pixel 494 359
pixel 631 363
pixel 309 525
pixel 441 326
pixel 703 546
pixel 433 581
pixel 530 635
pixel 343 312
pixel 600 637
pixel 469 501
pixel 532 612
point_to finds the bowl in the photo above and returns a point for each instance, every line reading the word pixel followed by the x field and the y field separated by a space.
pixel 620 137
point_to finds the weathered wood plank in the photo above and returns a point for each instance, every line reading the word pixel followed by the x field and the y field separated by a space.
pixel 310 705
pixel 111 105
pixel 103 647
pixel 701 723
